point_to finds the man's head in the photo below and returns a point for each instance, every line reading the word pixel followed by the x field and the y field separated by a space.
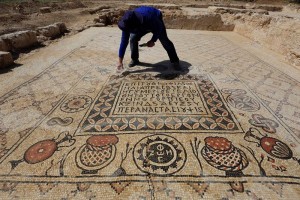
pixel 131 21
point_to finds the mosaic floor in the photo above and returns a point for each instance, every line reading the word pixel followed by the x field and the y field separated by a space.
pixel 227 127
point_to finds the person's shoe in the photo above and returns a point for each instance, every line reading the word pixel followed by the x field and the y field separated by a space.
pixel 133 63
pixel 176 66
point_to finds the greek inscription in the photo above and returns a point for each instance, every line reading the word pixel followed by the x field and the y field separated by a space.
pixel 151 97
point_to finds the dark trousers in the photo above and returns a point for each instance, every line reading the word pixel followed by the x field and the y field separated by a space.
pixel 164 40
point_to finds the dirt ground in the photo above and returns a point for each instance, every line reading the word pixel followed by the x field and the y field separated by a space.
pixel 78 15
pixel 18 15
pixel 26 15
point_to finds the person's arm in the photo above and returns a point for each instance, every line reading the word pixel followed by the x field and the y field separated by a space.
pixel 124 43
pixel 122 49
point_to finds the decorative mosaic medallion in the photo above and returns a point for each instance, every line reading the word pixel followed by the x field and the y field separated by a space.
pixel 76 104
pixel 159 154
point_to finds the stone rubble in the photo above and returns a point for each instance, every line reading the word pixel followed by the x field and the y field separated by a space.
pixel 267 8
pixel 109 16
pixel 14 42
pixel 48 31
pixel 45 9
pixel 52 31
pixel 97 9
pixel 223 10
pixel 158 6
pixel 6 59
pixel 25 39
pixel 3 45
pixel 19 40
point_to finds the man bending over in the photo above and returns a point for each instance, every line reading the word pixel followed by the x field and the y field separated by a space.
pixel 137 23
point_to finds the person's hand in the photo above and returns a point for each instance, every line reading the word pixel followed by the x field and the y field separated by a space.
pixel 120 67
pixel 150 44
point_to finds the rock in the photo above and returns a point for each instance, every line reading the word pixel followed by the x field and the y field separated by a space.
pixel 111 17
pixel 104 19
pixel 42 39
pixel 45 9
pixel 3 46
pixel 223 10
pixel 100 8
pixel 168 6
pixel 232 6
pixel 120 12
pixel 259 11
pixel 97 25
pixel 53 30
pixel 20 39
pixel 73 4
pixel 269 8
pixel 197 5
pixel 80 29
pixel 62 27
pixel 91 25
pixel 20 8
pixel 6 59
pixel 97 20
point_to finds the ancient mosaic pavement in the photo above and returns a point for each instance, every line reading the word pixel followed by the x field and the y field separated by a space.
pixel 218 130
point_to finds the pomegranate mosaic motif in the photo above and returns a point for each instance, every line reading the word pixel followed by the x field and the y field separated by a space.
pixel 44 149
pixel 220 153
pixel 270 145
pixel 98 152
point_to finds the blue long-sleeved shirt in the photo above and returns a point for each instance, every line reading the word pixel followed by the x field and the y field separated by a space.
pixel 151 22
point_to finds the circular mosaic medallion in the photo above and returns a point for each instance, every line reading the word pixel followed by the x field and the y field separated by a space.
pixel 76 104
pixel 159 154
pixel 243 102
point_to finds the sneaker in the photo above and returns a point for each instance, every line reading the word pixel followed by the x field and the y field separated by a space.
pixel 176 66
pixel 133 63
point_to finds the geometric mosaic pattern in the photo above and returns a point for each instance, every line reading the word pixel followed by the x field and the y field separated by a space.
pixel 195 105
pixel 89 133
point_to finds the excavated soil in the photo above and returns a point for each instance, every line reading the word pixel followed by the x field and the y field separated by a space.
pixel 75 13
pixel 271 23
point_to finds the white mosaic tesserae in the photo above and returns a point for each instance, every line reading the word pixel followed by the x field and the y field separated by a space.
pixel 71 127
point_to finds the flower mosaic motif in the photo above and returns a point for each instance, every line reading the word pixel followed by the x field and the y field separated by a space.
pixel 76 104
